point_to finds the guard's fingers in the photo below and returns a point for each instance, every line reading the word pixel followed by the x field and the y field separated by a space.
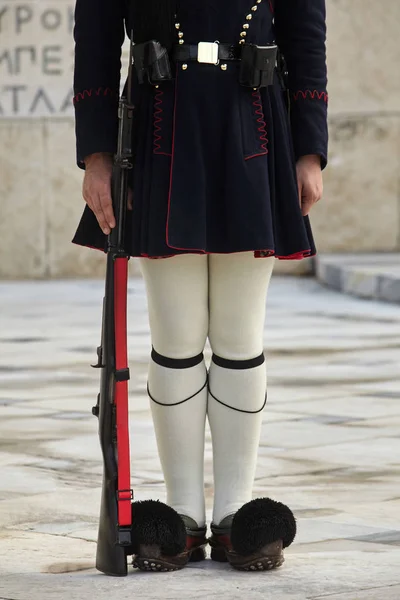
pixel 107 208
pixel 88 200
pixel 130 199
pixel 306 206
pixel 311 195
pixel 98 211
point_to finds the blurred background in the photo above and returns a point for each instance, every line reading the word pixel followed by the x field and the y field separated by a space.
pixel 40 186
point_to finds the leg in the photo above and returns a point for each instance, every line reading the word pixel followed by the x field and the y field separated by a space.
pixel 250 534
pixel 177 292
pixel 238 291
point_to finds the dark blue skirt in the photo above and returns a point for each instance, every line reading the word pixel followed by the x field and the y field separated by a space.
pixel 214 171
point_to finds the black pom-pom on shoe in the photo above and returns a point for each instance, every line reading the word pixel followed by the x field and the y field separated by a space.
pixel 156 524
pixel 163 540
pixel 260 523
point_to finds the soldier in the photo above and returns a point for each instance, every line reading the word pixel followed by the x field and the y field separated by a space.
pixel 229 150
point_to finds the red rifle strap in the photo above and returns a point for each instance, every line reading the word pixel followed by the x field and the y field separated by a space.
pixel 121 392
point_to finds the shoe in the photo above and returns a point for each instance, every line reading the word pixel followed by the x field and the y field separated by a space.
pixel 196 539
pixel 254 537
pixel 163 540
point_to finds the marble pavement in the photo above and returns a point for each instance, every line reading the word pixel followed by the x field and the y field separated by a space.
pixel 330 447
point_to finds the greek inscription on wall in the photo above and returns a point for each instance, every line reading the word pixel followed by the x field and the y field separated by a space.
pixel 36 58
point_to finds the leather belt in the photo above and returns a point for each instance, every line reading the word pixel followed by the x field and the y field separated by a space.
pixel 206 52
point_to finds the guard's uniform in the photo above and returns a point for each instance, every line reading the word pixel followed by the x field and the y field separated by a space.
pixel 215 161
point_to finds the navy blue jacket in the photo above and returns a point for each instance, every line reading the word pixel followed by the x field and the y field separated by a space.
pixel 215 162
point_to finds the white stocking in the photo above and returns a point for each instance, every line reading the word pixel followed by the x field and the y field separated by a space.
pixel 237 381
pixel 177 291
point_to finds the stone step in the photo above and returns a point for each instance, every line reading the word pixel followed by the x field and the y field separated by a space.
pixel 375 276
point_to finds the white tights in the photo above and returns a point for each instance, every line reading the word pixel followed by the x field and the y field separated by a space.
pixel 223 297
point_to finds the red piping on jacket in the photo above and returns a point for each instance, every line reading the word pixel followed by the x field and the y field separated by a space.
pixel 262 125
pixel 257 253
pixel 158 101
pixel 312 94
pixel 297 256
pixel 271 6
pixel 88 93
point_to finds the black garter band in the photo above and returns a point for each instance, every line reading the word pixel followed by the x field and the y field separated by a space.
pixel 176 363
pixel 185 363
pixel 238 364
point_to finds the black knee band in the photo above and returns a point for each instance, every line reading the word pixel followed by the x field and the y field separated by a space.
pixel 241 365
pixel 238 364
pixel 176 403
pixel 176 363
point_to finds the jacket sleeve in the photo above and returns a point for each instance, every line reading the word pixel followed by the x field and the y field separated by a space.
pixel 300 27
pixel 99 35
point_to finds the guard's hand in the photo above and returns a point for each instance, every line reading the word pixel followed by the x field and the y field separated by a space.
pixel 97 189
pixel 309 179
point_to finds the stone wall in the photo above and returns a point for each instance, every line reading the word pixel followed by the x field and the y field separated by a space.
pixel 361 209
pixel 40 197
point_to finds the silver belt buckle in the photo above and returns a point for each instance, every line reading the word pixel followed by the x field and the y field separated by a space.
pixel 207 52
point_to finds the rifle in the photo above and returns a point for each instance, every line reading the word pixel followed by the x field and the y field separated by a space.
pixel 114 534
